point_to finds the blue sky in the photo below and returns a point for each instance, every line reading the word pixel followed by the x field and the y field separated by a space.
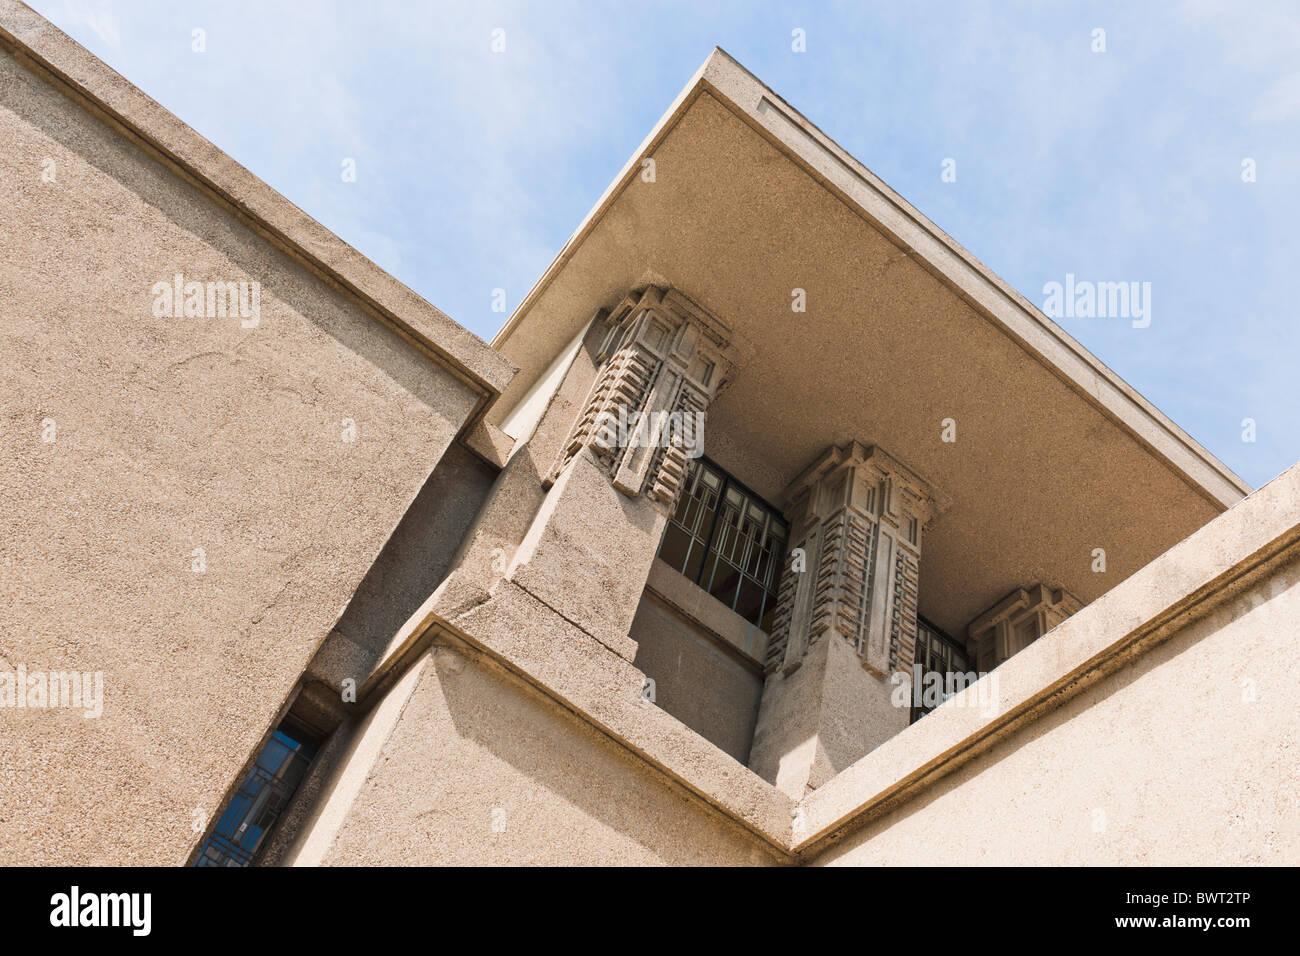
pixel 474 167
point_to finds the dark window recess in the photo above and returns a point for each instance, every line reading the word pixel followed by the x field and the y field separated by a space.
pixel 258 804
pixel 935 652
pixel 728 541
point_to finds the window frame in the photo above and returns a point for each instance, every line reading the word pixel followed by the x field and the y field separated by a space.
pixel 247 804
pixel 920 710
pixel 709 541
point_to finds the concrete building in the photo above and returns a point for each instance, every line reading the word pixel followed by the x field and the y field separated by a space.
pixel 772 528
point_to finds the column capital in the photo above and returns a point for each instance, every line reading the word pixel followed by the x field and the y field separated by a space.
pixel 857 513
pixel 663 361
pixel 1015 622
pixel 845 618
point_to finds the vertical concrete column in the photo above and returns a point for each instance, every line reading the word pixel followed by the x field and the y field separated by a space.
pixel 589 550
pixel 846 617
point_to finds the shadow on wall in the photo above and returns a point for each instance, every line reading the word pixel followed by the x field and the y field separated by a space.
pixel 699 682
pixel 418 556
pixel 482 768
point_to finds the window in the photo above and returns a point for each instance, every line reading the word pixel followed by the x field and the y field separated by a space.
pixel 260 800
pixel 728 541
pixel 938 653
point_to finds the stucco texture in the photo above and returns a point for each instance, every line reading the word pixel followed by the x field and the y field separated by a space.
pixel 1185 757
pixel 697 680
pixel 172 435
pixel 464 764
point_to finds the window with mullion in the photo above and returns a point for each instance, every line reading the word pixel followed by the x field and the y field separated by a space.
pixel 939 653
pixel 256 807
pixel 728 541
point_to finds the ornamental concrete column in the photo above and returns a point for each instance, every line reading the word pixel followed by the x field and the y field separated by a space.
pixel 1015 622
pixel 845 623
pixel 589 550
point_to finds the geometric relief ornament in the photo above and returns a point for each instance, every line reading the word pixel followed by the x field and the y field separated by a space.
pixel 857 515
pixel 1015 622
pixel 662 362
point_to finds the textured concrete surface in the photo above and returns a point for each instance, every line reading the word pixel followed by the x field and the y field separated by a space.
pixel 1199 722
pixel 698 679
pixel 187 153
pixel 198 517
pixel 556 422
pixel 489 442
pixel 1054 456
pixel 1052 768
pixel 1186 757
pixel 704 611
pixel 584 677
pixel 190 504
pixel 413 563
pixel 480 769
pixel 492 539
pixel 589 679
pixel 1154 727
pixel 589 551
pixel 819 720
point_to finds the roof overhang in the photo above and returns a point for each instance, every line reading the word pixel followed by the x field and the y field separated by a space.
pixel 1055 455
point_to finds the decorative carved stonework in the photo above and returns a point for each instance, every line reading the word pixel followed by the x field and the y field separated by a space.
pixel 1015 622
pixel 857 515
pixel 663 362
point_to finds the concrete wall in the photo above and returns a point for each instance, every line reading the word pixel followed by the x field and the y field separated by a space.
pixel 699 681
pixel 412 565
pixel 1183 756
pixel 819 720
pixel 462 763
pixel 1186 756
pixel 186 515
pixel 167 435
